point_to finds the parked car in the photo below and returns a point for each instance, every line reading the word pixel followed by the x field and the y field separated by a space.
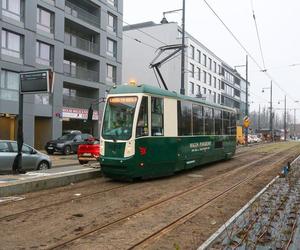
pixel 89 151
pixel 65 132
pixel 67 143
pixel 31 158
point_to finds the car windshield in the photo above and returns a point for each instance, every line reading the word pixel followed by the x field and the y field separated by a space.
pixel 67 137
pixel 118 118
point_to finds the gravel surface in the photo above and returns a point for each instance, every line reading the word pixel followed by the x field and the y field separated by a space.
pixel 133 210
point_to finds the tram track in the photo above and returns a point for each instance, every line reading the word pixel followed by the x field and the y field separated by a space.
pixel 182 219
pixel 62 202
pixel 178 194
pixel 76 189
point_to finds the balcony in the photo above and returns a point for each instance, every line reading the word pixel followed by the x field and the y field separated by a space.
pixel 80 43
pixel 80 73
pixel 78 102
pixel 82 14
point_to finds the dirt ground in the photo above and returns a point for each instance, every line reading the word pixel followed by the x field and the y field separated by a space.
pixel 104 214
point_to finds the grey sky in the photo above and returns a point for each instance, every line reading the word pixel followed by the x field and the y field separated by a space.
pixel 278 22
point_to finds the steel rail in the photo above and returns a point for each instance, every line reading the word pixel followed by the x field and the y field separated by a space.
pixel 156 235
pixel 174 196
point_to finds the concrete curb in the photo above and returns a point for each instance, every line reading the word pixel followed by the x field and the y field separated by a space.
pixel 46 182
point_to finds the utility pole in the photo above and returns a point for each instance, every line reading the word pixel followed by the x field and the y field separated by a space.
pixel 182 91
pixel 294 123
pixel 246 111
pixel 284 122
pixel 271 115
pixel 259 117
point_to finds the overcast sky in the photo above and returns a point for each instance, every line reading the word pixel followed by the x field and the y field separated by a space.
pixel 278 24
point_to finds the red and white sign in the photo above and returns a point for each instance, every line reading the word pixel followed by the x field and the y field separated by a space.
pixel 76 113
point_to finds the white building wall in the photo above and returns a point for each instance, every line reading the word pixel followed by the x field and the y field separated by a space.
pixel 139 49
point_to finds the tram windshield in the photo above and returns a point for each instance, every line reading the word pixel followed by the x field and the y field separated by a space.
pixel 118 118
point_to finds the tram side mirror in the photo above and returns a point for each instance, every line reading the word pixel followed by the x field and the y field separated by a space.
pixel 90 114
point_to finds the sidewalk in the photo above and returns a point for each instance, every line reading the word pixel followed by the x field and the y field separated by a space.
pixel 38 180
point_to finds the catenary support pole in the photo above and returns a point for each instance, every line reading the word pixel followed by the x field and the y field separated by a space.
pixel 284 123
pixel 182 90
pixel 271 115
pixel 246 111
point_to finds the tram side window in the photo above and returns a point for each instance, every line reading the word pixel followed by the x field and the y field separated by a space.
pixel 218 122
pixel 184 118
pixel 157 116
pixel 233 123
pixel 198 120
pixel 226 127
pixel 142 123
pixel 209 121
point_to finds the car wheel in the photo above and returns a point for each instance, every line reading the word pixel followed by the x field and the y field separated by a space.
pixel 50 152
pixel 83 162
pixel 67 150
pixel 43 165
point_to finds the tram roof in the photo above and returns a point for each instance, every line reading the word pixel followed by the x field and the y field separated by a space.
pixel 144 88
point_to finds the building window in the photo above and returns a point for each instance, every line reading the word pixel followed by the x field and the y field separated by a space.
pixel 69 92
pixel 219 99
pixel 204 91
pixel 191 88
pixel 112 22
pixel 215 67
pixel 215 97
pixel 11 44
pixel 209 79
pixel 111 73
pixel 210 63
pixel 13 9
pixel 199 74
pixel 192 70
pixel 44 20
pixel 204 62
pixel 192 52
pixel 9 85
pixel 198 56
pixel 215 82
pixel 44 54
pixel 198 90
pixel 204 76
pixel 112 2
pixel 111 47
pixel 219 84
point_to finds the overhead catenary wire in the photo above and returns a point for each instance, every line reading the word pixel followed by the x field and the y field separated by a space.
pixel 258 36
pixel 247 52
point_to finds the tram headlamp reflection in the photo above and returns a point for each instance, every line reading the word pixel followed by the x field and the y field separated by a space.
pixel 129 148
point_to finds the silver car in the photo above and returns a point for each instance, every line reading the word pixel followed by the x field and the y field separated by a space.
pixel 31 158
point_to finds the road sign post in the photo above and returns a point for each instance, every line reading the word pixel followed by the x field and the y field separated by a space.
pixel 31 82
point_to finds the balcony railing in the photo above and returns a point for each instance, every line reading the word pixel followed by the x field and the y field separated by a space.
pixel 81 73
pixel 80 43
pixel 82 14
pixel 77 102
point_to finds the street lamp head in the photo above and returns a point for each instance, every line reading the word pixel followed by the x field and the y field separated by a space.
pixel 164 20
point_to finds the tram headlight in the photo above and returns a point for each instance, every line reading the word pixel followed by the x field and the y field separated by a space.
pixel 102 148
pixel 129 148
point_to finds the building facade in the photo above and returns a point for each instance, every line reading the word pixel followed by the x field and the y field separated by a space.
pixel 80 40
pixel 206 75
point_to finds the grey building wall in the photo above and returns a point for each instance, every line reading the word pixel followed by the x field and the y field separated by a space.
pixel 97 62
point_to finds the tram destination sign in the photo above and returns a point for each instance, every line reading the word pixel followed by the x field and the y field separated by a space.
pixel 39 81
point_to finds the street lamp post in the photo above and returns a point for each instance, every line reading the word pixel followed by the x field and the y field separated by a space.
pixel 247 103
pixel 164 20
pixel 271 111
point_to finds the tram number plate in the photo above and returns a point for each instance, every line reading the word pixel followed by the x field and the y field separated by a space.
pixel 86 154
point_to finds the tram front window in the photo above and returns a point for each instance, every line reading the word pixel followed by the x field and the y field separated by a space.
pixel 118 118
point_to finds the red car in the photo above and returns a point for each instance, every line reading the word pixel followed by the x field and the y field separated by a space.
pixel 88 151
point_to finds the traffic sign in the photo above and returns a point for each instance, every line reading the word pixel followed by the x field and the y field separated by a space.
pixel 246 122
pixel 38 81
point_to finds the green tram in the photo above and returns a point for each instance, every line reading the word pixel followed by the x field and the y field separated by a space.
pixel 150 132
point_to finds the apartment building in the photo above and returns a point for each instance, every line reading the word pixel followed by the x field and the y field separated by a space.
pixel 206 75
pixel 80 40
